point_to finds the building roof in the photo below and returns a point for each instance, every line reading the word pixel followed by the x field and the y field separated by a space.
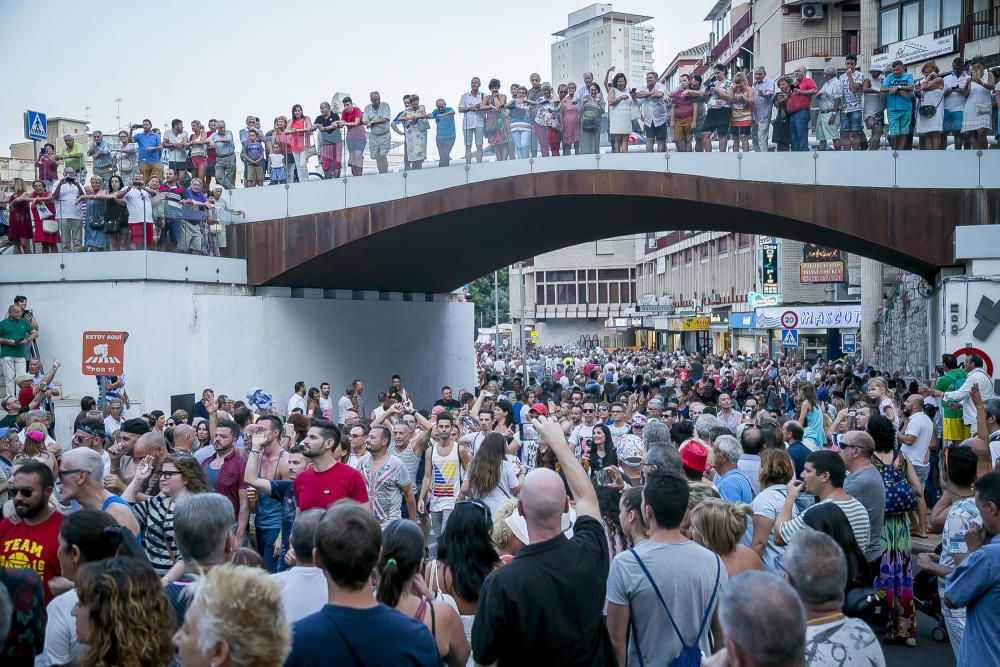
pixel 694 52
pixel 721 6
pixel 72 120
pixel 621 16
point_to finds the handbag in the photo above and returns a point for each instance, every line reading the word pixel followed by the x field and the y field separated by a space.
pixel 899 497
pixel 927 110
pixel 50 226
pixel 215 228
pixel 984 109
pixel 109 226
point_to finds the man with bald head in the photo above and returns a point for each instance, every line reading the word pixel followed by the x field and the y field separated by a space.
pixel 542 604
pixel 917 436
pixel 864 483
pixel 81 478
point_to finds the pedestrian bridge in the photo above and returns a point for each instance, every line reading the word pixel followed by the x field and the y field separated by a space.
pixel 433 230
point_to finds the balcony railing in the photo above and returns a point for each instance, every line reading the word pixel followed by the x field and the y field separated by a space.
pixel 982 24
pixel 819 47
pixel 738 29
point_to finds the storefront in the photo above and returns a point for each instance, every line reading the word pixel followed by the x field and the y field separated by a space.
pixel 746 337
pixel 689 333
pixel 808 333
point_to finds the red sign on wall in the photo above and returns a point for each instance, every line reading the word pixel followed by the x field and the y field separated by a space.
pixel 103 353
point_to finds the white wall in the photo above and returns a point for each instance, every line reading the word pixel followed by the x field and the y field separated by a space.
pixel 185 337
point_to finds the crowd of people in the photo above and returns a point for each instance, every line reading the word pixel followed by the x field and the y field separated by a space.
pixel 165 190
pixel 572 507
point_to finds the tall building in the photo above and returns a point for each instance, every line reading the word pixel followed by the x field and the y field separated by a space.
pixel 598 37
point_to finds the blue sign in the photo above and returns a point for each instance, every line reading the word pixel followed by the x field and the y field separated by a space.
pixel 790 338
pixel 849 343
pixel 35 126
pixel 742 320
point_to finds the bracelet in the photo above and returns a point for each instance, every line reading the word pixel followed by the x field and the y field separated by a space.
pixel 254 451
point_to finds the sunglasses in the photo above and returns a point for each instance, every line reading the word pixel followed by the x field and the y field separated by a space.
pixel 587 411
pixel 63 473
pixel 26 492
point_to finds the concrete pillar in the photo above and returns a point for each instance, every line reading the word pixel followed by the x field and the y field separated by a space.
pixel 871 302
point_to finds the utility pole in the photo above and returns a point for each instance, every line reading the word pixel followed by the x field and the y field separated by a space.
pixel 496 312
pixel 524 348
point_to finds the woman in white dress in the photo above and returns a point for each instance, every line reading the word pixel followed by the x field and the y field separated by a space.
pixel 620 102
pixel 977 117
pixel 930 109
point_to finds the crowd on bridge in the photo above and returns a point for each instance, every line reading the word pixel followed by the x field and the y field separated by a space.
pixel 154 190
pixel 571 506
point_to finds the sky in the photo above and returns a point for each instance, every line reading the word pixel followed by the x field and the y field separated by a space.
pixel 303 52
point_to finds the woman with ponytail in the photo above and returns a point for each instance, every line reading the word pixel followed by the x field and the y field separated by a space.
pixel 400 586
pixel 719 526
pixel 86 536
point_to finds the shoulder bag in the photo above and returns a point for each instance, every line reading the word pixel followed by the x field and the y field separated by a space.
pixel 690 655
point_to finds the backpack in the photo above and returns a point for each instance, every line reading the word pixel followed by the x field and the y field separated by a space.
pixel 899 497
pixel 690 655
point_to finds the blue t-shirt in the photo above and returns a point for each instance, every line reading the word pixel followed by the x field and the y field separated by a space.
pixel 151 140
pixel 445 124
pixel 282 495
pixel 343 636
pixel 735 487
pixel 975 585
pixel 897 102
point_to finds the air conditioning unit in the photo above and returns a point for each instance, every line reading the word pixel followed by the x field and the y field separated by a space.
pixel 812 11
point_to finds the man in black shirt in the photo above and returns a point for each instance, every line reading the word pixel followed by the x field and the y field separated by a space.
pixel 447 401
pixel 546 606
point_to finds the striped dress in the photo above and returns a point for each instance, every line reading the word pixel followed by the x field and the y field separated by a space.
pixel 155 517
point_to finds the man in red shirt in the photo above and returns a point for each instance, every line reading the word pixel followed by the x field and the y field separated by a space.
pixel 798 108
pixel 33 542
pixel 327 480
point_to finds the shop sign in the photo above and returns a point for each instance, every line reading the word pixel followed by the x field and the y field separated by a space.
pixel 691 324
pixel 821 265
pixel 758 300
pixel 742 321
pixel 912 50
pixel 770 257
pixel 847 316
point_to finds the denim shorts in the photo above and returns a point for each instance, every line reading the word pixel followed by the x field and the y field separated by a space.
pixel 850 121
pixel 952 121
pixel 171 228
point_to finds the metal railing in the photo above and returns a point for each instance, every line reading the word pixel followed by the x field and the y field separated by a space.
pixel 738 29
pixel 982 24
pixel 819 47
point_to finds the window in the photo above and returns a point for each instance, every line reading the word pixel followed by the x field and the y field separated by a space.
pixel 613 274
pixel 688 256
pixel 566 294
pixel 905 19
pixel 890 26
pixel 744 240
pixel 540 295
pixel 550 294
pixel 723 245
pixel 911 20
pixel 605 247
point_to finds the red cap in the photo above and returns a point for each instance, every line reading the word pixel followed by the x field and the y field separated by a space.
pixel 540 409
pixel 694 456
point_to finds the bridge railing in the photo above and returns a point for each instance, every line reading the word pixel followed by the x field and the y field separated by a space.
pixel 878 169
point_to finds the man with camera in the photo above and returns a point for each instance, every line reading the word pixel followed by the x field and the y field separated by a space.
pixel 67 198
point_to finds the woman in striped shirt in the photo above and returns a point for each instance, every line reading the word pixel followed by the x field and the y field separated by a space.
pixel 179 474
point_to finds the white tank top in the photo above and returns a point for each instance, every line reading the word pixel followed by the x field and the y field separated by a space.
pixel 446 479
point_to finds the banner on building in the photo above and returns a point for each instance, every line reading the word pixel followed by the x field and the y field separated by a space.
pixel 821 265
pixel 770 277
pixel 914 49
pixel 846 316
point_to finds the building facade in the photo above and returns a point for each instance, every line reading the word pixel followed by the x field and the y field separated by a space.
pixel 685 62
pixel 596 38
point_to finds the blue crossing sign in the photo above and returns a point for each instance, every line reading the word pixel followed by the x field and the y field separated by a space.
pixel 790 338
pixel 35 126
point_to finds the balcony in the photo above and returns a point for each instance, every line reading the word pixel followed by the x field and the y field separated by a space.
pixel 802 51
pixel 732 38
pixel 982 25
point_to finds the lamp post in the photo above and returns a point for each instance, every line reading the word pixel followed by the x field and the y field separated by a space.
pixel 496 313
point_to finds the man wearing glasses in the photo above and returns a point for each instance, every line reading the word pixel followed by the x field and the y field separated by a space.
pixel 33 542
pixel 584 431
pixel 864 483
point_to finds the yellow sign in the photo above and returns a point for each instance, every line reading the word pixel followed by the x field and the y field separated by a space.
pixel 534 336
pixel 690 324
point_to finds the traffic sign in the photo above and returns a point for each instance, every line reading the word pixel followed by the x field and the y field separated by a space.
pixel 103 353
pixel 849 343
pixel 36 127
pixel 790 338
pixel 789 319
pixel 987 362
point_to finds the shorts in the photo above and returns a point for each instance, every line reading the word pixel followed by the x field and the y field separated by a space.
pixel 825 130
pixel 199 160
pixel 655 132
pixel 171 228
pixel 150 169
pixel 717 120
pixel 952 121
pixel 954 428
pixel 379 145
pixel 473 132
pixel 179 166
pixel 740 130
pixel 683 129
pixel 899 122
pixel 192 236
pixel 874 121
pixel 850 121
pixel 255 173
pixel 141 234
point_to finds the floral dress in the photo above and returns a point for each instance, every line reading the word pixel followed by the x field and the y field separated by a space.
pixel 894 581
pixel 497 124
pixel 416 139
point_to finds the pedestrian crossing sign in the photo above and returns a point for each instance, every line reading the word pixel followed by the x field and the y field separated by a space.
pixel 790 338
pixel 35 126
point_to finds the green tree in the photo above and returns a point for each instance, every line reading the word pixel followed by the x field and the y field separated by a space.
pixel 481 291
